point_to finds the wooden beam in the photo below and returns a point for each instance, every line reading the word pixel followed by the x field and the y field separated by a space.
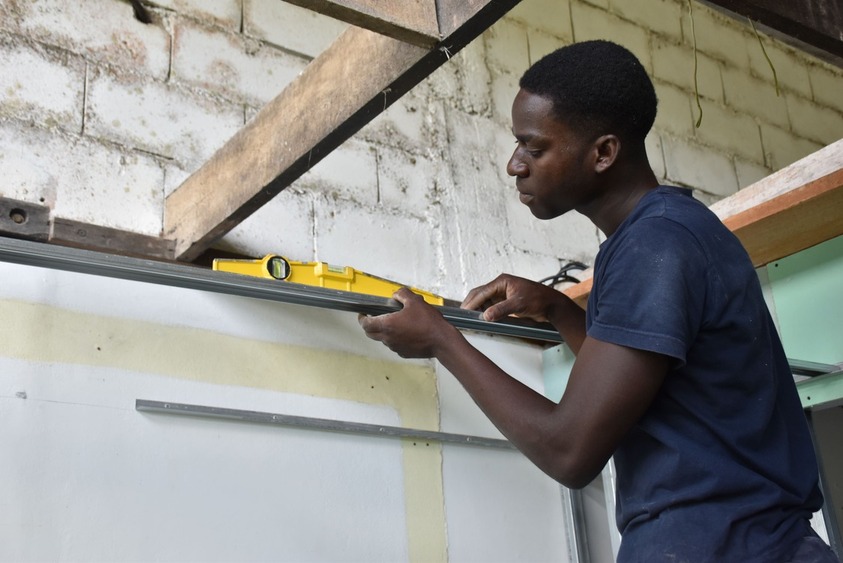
pixel 811 25
pixel 813 167
pixel 347 86
pixel 793 209
pixel 33 221
pixel 412 21
pixel 21 219
pixel 77 234
pixel 791 222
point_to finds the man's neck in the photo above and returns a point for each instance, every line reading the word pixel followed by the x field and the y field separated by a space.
pixel 623 188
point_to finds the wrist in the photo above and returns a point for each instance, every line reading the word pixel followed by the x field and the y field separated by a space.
pixel 446 338
pixel 555 311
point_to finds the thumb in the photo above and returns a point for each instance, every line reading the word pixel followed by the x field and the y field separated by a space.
pixel 499 310
pixel 492 314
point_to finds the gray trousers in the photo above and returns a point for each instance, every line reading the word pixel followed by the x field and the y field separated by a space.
pixel 813 550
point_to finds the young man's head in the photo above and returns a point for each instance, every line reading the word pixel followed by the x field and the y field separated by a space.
pixel 580 119
pixel 597 87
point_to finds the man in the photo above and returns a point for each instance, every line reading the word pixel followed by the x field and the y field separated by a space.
pixel 679 375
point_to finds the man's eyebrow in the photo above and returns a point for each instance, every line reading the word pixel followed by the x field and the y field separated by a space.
pixel 523 137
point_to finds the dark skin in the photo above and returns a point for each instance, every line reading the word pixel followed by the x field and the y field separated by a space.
pixel 610 386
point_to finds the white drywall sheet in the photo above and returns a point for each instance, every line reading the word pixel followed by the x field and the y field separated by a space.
pixel 93 480
pixel 88 477
pixel 499 506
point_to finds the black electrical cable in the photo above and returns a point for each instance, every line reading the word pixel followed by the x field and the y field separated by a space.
pixel 562 275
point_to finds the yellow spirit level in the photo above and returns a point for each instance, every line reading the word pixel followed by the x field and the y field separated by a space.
pixel 320 274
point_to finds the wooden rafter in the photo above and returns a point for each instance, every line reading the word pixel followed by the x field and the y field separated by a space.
pixel 793 209
pixel 343 89
pixel 796 208
pixel 793 221
pixel 412 21
pixel 33 221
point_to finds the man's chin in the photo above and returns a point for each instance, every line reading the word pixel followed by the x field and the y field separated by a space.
pixel 543 214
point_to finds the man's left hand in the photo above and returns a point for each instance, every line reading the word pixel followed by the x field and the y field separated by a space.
pixel 416 331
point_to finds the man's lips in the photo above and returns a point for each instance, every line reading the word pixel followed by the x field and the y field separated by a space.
pixel 524 198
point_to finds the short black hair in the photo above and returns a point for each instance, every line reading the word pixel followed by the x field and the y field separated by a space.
pixel 598 87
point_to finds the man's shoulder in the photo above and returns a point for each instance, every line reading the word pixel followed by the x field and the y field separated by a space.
pixel 665 216
pixel 670 202
pixel 670 214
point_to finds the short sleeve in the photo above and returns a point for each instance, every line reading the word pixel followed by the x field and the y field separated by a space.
pixel 650 289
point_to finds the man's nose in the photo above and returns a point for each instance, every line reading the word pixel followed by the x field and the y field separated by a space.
pixel 515 166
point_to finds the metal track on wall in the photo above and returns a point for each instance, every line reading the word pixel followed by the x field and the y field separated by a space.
pixel 324 424
pixel 194 277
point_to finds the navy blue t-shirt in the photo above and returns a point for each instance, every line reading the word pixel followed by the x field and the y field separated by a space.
pixel 721 467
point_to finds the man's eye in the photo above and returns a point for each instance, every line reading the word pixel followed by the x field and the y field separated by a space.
pixel 535 153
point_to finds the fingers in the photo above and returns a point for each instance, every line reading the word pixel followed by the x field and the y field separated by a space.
pixel 499 310
pixel 376 327
pixel 518 303
pixel 415 331
pixel 371 325
pixel 405 296
pixel 474 300
pixel 480 296
pixel 493 298
pixel 508 295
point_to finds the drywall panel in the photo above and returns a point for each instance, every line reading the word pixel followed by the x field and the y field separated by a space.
pixel 88 478
pixel 520 359
pixel 92 478
pixel 77 350
pixel 806 290
pixel 598 503
pixel 493 498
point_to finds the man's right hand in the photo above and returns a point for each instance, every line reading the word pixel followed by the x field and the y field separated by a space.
pixel 511 295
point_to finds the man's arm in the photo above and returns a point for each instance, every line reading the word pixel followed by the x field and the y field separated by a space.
pixel 610 388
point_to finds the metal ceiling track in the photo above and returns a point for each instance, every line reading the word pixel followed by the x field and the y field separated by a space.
pixel 82 261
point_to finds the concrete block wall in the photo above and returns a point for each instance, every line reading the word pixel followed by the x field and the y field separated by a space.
pixel 102 117
pixel 451 135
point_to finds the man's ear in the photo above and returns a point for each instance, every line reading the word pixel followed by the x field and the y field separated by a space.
pixel 606 150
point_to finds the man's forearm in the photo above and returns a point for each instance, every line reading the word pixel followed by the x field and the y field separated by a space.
pixel 524 416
